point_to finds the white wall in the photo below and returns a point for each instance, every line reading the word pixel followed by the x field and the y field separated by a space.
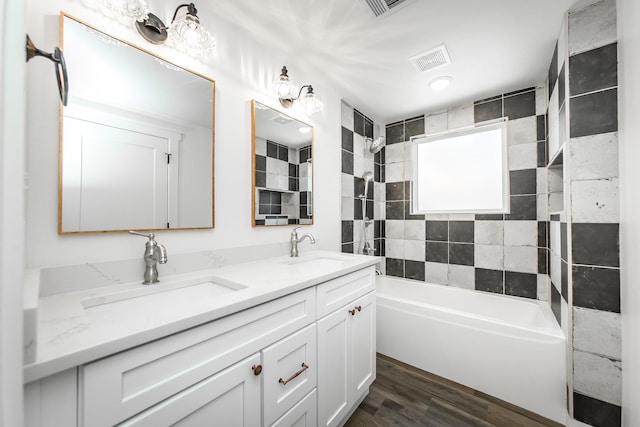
pixel 243 70
pixel 12 65
pixel 629 106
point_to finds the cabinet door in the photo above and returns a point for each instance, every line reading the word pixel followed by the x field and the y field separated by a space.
pixel 289 372
pixel 230 398
pixel 363 345
pixel 334 359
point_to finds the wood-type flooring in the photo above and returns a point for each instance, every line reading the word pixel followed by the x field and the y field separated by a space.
pixel 403 395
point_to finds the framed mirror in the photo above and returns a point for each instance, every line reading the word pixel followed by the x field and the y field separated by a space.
pixel 282 149
pixel 136 139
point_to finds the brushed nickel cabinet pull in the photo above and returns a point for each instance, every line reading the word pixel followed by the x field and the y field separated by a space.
pixel 284 382
pixel 257 369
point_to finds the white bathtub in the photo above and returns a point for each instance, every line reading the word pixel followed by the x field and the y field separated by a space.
pixel 507 347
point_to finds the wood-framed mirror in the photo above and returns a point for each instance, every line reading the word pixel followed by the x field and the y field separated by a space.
pixel 282 168
pixel 136 138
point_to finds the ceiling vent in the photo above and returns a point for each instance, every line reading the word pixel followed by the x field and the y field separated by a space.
pixel 431 59
pixel 380 7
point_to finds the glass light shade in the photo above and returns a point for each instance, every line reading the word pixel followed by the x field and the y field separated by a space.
pixel 188 36
pixel 135 9
pixel 283 88
pixel 310 103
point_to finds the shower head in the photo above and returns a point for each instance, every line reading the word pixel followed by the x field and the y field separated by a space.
pixel 367 176
pixel 377 144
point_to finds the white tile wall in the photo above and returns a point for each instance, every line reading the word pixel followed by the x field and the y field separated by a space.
pixel 543 287
pixel 460 117
pixel 415 230
pixel 396 153
pixel 595 201
pixel 592 27
pixel 394 229
pixel 346 186
pixel 394 248
pixel 541 99
pixel 594 156
pixel 436 122
pixel 414 250
pixel 347 207
pixel 489 256
pixel 461 276
pixel 436 272
pixel 346 113
pixel 489 232
pixel 523 156
pixel 521 131
pixel 597 331
pixel 394 172
pixel 521 259
pixel 521 233
pixel 597 376
pixel 261 146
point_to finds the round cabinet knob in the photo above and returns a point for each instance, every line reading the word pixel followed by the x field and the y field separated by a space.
pixel 257 369
pixel 353 312
pixel 359 307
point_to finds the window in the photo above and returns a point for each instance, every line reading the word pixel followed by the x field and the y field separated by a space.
pixel 461 171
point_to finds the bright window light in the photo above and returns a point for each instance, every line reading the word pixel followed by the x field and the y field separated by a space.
pixel 461 171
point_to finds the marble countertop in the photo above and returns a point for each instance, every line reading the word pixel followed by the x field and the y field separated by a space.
pixel 69 334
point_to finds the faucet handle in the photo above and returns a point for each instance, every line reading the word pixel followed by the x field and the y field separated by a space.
pixel 150 236
pixel 294 232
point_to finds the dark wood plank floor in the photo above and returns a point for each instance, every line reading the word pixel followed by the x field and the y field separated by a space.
pixel 403 395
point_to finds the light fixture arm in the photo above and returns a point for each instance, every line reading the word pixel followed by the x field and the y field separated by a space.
pixel 191 10
pixel 300 92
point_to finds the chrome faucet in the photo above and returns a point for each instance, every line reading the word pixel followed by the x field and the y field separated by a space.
pixel 295 240
pixel 154 253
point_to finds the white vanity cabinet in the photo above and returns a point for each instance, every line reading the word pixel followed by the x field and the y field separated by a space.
pixel 346 344
pixel 303 359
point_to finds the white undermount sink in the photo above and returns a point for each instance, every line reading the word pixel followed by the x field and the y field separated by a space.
pixel 314 261
pixel 172 296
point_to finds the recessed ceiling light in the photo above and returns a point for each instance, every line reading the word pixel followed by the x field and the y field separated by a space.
pixel 440 83
pixel 304 129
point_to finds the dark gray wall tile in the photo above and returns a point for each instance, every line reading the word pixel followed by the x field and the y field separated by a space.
pixel 543 261
pixel 489 217
pixel 523 208
pixel 522 182
pixel 368 128
pixel 521 284
pixel 541 127
pixel 543 234
pixel 261 163
pixel 597 288
pixel 561 86
pixel 593 70
pixel 347 248
pixel 395 267
pixel 395 133
pixel 347 162
pixel 414 270
pixel 564 280
pixel 394 191
pixel 596 412
pixel 438 252
pixel 521 105
pixel 563 241
pixel 358 122
pixel 594 113
pixel 461 253
pixel 437 230
pixel 556 304
pixel 347 139
pixel 542 154
pixel 553 70
pixel 347 231
pixel 407 211
pixel 261 179
pixel 395 210
pixel 595 244
pixel 357 209
pixel 379 246
pixel 413 127
pixel 489 280
pixel 461 231
pixel 487 110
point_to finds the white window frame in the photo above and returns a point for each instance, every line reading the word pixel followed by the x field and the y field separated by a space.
pixel 459 141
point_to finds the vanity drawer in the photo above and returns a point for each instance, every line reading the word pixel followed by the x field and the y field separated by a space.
pixel 338 292
pixel 290 372
pixel 120 386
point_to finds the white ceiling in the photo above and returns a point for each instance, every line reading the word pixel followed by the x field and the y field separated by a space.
pixel 495 46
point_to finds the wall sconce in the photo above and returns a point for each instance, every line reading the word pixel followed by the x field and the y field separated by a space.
pixel 286 92
pixel 184 33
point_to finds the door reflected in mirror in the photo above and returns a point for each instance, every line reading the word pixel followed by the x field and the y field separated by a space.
pixel 282 148
pixel 136 148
